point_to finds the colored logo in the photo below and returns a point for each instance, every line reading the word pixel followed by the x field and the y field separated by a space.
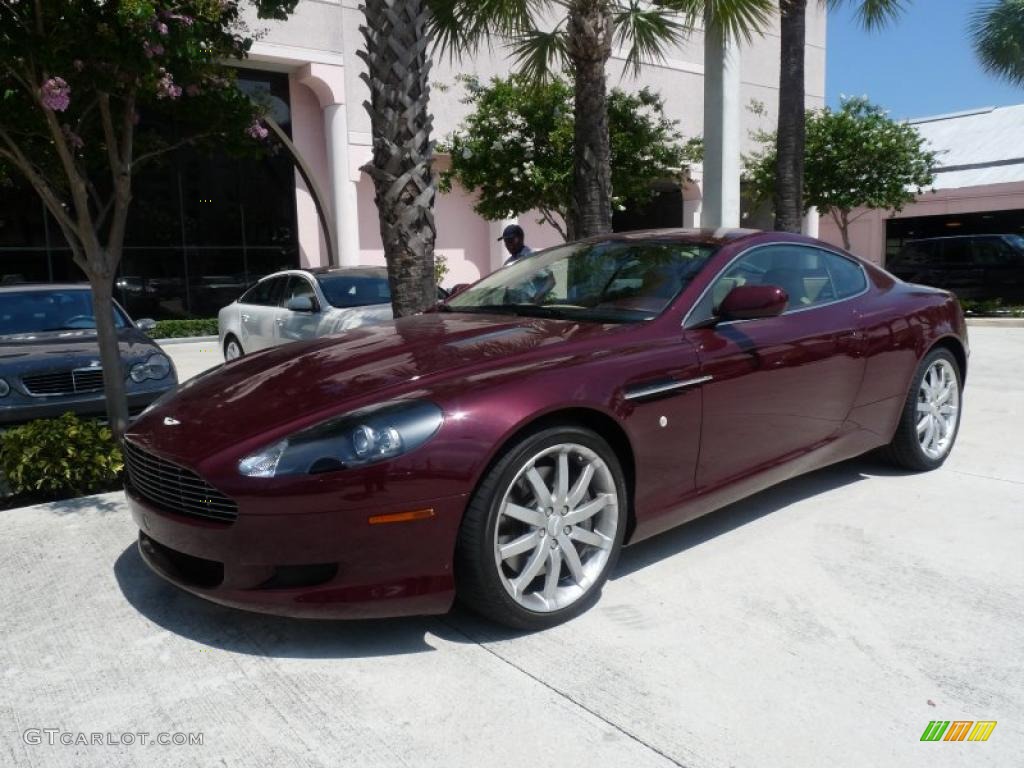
pixel 958 730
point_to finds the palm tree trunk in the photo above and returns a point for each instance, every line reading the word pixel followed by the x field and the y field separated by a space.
pixel 789 163
pixel 398 70
pixel 589 43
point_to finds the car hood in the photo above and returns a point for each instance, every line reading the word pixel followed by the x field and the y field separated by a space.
pixel 67 349
pixel 306 381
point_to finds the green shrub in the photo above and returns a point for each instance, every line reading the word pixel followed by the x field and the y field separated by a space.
pixel 181 329
pixel 993 307
pixel 60 456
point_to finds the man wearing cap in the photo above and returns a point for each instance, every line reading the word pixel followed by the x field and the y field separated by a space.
pixel 515 242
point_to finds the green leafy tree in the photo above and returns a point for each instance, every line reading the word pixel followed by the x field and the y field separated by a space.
pixel 90 92
pixel 855 157
pixel 578 37
pixel 998 33
pixel 792 131
pixel 515 148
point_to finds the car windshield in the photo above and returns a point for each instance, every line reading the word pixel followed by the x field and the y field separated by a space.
pixel 57 310
pixel 608 282
pixel 357 290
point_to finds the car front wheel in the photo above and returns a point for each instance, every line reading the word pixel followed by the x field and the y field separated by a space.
pixel 931 415
pixel 544 529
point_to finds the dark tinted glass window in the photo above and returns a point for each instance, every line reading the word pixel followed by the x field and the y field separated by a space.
pixel 361 290
pixel 265 293
pixel 40 311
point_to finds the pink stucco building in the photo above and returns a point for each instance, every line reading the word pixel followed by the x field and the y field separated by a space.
pixel 317 47
pixel 978 189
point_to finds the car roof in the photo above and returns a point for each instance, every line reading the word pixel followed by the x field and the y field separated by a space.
pixel 358 271
pixel 691 235
pixel 42 287
pixel 943 238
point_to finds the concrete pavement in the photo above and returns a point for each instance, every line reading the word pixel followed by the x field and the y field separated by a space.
pixel 823 622
pixel 193 357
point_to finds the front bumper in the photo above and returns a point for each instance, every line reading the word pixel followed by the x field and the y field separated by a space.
pixel 19 412
pixel 310 565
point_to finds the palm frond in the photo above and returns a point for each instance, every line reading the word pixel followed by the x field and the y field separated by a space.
pixel 538 53
pixel 997 31
pixel 645 32
pixel 462 26
pixel 875 14
pixel 739 19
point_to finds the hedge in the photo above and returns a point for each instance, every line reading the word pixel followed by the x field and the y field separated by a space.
pixel 180 329
pixel 62 457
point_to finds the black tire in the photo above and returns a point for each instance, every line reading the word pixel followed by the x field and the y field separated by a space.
pixel 478 583
pixel 231 339
pixel 905 450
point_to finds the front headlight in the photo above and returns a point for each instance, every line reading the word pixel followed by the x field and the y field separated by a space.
pixel 353 440
pixel 156 367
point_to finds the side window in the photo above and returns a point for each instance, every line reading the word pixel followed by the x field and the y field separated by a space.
pixel 848 277
pixel 298 287
pixel 264 293
pixel 809 276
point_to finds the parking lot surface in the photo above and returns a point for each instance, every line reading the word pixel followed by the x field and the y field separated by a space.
pixel 824 622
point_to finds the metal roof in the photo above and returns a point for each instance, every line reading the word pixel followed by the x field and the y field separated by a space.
pixel 984 146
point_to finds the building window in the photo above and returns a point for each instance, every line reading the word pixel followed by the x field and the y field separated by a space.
pixel 201 229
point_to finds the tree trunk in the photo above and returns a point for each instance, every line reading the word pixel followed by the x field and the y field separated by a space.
pixel 398 70
pixel 110 352
pixel 589 43
pixel 844 228
pixel 789 163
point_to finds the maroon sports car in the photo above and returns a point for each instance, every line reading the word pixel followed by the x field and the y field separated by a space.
pixel 504 447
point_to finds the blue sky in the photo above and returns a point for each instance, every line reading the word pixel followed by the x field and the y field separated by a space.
pixel 920 65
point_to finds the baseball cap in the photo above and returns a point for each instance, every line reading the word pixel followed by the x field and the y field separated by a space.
pixel 512 230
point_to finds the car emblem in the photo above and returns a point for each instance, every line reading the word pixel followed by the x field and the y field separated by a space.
pixel 169 421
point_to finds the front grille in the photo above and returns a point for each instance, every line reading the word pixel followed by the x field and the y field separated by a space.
pixel 73 382
pixel 175 488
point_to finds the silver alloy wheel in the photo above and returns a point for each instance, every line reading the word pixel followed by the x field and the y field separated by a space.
pixel 232 350
pixel 556 527
pixel 938 406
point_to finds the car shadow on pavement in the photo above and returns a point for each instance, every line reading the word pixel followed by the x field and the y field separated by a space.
pixel 726 519
pixel 257 634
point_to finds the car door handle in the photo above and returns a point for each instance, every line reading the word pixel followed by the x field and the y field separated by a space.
pixel 664 387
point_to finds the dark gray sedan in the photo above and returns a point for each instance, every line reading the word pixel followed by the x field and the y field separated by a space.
pixel 50 359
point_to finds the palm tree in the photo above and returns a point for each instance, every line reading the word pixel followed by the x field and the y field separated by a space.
pixel 581 40
pixel 397 36
pixel 791 134
pixel 998 33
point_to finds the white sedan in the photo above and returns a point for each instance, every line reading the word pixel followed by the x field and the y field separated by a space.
pixel 303 304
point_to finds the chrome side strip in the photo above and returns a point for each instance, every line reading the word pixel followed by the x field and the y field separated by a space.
pixel 657 389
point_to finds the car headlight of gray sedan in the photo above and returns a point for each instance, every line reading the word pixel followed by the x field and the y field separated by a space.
pixel 156 367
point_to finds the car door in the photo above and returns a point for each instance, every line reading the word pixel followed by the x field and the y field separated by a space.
pixel 257 313
pixel 778 386
pixel 295 326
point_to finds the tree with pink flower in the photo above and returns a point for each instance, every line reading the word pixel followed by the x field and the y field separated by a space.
pixel 92 91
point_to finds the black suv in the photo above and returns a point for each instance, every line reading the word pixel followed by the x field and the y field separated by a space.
pixel 975 267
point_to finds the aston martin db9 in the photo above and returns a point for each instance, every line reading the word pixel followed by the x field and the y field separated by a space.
pixel 503 447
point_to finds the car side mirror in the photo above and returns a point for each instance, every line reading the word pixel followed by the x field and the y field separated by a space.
pixel 300 304
pixel 749 302
pixel 146 324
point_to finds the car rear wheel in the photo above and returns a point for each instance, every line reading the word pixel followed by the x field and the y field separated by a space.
pixel 931 415
pixel 232 348
pixel 543 530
